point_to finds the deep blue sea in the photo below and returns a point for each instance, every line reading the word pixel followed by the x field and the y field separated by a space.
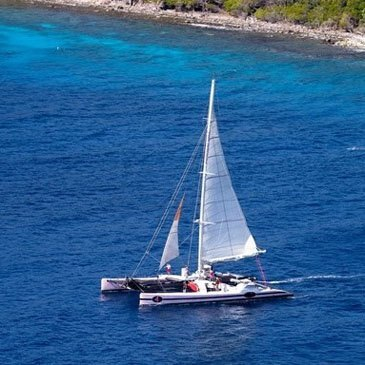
pixel 98 118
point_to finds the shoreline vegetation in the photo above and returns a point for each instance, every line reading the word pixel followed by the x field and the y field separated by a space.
pixel 337 22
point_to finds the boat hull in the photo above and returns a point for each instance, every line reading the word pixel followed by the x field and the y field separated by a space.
pixel 147 284
pixel 209 297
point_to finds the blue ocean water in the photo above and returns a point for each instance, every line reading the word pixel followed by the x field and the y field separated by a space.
pixel 98 118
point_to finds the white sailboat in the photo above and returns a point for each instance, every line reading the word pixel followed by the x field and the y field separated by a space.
pixel 223 236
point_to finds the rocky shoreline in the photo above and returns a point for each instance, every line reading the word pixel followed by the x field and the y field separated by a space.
pixel 353 41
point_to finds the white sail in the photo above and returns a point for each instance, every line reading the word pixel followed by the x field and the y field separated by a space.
pixel 171 249
pixel 224 234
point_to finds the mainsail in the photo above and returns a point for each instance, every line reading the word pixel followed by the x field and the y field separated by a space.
pixel 224 234
pixel 171 249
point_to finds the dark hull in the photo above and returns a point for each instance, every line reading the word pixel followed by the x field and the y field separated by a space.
pixel 155 284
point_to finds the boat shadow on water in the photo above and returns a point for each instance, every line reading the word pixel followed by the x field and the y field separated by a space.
pixel 128 298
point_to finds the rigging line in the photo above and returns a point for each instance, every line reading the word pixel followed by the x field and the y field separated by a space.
pixel 195 227
pixel 160 283
pixel 172 200
pixel 217 109
pixel 261 269
pixel 178 187
pixel 153 257
pixel 137 285
pixel 182 263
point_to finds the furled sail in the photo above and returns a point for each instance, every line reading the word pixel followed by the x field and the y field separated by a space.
pixel 225 235
pixel 171 249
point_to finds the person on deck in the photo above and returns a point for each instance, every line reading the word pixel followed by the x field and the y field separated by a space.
pixel 168 269
pixel 217 282
pixel 211 275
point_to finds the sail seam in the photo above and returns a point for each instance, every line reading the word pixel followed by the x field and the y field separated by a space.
pixel 216 155
pixel 220 201
pixel 221 221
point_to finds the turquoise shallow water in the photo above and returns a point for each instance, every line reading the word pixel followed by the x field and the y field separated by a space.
pixel 98 118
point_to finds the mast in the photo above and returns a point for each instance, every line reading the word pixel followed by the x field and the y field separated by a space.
pixel 201 215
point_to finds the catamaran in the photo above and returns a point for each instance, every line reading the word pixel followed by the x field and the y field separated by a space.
pixel 223 236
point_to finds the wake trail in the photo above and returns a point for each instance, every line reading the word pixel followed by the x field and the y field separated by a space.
pixel 316 277
pixel 356 148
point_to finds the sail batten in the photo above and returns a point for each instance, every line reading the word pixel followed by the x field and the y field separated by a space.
pixel 231 220
pixel 227 236
pixel 212 176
